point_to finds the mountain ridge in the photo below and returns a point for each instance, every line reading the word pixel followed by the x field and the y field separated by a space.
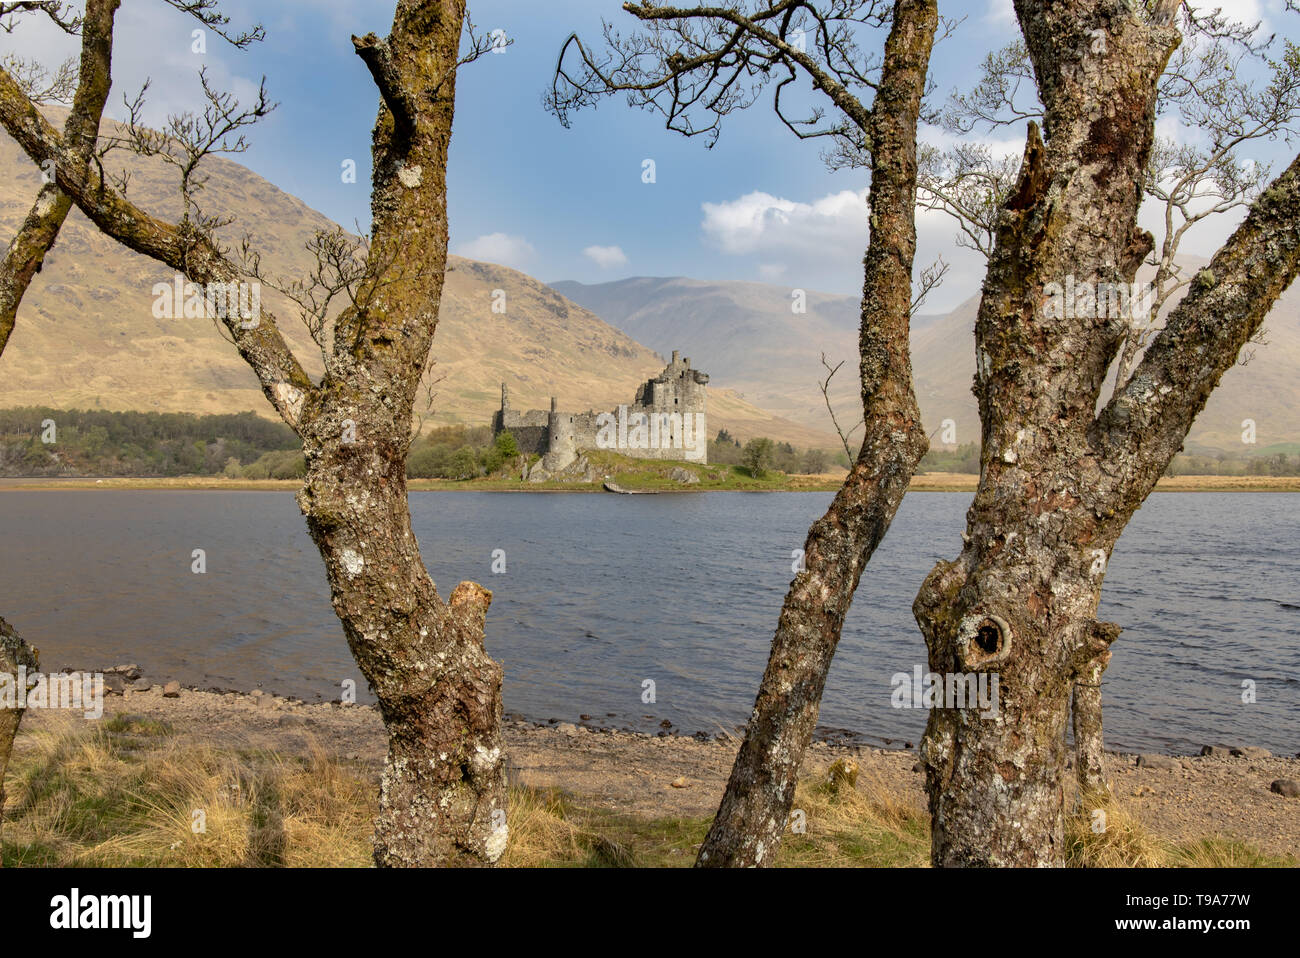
pixel 780 367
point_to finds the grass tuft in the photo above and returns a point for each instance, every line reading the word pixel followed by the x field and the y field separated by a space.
pixel 126 792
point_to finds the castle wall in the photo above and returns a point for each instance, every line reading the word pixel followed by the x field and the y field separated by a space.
pixel 676 396
pixel 530 429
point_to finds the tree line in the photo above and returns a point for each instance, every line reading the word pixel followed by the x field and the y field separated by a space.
pixel 247 446
pixel 43 441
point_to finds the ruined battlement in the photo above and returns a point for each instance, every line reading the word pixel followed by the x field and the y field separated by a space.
pixel 667 419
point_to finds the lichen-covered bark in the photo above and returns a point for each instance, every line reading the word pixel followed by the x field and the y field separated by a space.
pixel 14 654
pixel 756 805
pixel 26 254
pixel 1059 482
pixel 39 230
pixel 1088 741
pixel 443 793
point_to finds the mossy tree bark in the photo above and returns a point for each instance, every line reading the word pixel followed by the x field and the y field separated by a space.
pixel 1059 481
pixel 26 254
pixel 40 229
pixel 1089 744
pixel 443 794
pixel 756 806
pixel 15 654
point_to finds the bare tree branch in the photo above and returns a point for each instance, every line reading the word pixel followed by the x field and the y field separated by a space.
pixel 825 386
pixel 26 254
pixel 209 14
pixel 181 246
pixel 40 85
pixel 931 278
pixel 62 15
pixel 717 60
pixel 1204 335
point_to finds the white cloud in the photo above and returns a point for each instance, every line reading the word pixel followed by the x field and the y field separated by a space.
pixel 1248 12
pixel 819 244
pixel 146 45
pixel 500 248
pixel 762 223
pixel 606 257
pixel 1000 12
pixel 941 139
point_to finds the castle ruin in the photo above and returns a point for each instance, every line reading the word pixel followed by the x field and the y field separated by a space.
pixel 666 420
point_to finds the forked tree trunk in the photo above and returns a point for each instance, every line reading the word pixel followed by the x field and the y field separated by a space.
pixel 1022 598
pixel 1058 480
pixel 443 795
pixel 26 254
pixel 756 806
pixel 15 654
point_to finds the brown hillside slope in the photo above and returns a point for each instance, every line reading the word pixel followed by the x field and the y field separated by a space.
pixel 86 336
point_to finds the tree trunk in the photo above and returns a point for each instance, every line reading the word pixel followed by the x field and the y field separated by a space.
pixel 995 783
pixel 756 805
pixel 40 229
pixel 443 793
pixel 1089 747
pixel 443 796
pixel 14 654
pixel 26 254
pixel 1058 480
pixel 1020 602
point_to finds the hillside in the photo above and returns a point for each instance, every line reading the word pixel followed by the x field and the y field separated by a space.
pixel 86 336
pixel 745 334
pixel 780 365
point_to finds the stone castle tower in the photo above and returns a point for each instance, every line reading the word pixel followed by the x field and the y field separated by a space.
pixel 667 419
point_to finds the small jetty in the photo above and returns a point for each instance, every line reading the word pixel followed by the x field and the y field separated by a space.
pixel 611 486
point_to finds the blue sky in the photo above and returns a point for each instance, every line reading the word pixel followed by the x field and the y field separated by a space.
pixel 556 203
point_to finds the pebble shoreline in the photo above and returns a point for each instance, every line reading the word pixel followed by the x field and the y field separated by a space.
pixel 125 680
pixel 1239 792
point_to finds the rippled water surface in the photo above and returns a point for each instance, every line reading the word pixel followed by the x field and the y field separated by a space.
pixel 603 592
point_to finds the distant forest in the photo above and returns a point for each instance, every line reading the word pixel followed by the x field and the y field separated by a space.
pixel 39 441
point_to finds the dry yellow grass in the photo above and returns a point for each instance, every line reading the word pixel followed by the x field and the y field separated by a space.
pixel 126 792
pixel 121 794
pixel 1106 835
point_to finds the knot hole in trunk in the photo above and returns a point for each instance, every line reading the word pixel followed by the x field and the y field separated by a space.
pixel 989 638
pixel 990 641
